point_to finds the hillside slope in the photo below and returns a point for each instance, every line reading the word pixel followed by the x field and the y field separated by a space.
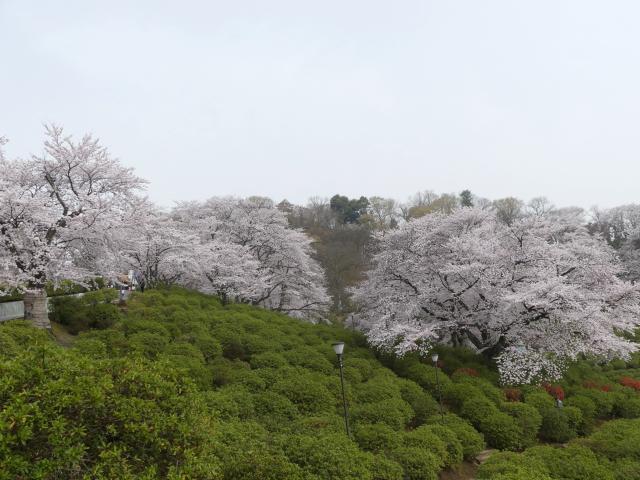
pixel 183 387
pixel 177 386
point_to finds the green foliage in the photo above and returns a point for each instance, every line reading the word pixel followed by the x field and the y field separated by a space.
pixel 423 404
pixel 512 466
pixel 93 310
pixel 417 463
pixel 377 437
pixel 330 456
pixel 103 418
pixel 502 431
pixel 228 392
pixel 477 409
pixel 560 424
pixel 395 413
pixel 471 440
pixel 261 389
pixel 528 418
pixel 348 210
pixel 455 450
pixel 571 463
pixel 616 439
pixel 539 399
pixel 626 469
pixel 310 396
pixel 427 440
pixel 588 409
pixel 386 469
pixel 456 394
pixel 626 405
pixel 427 378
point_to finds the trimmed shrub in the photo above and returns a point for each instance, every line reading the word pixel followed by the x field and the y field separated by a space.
pixel 471 440
pixel 508 465
pixel 451 442
pixel 395 413
pixel 423 404
pixel 487 389
pixel 477 409
pixel 455 394
pixel 559 424
pixel 417 463
pixel 231 402
pixel 603 400
pixel 626 406
pixel 330 456
pixel 540 400
pixel 425 376
pixel 87 346
pixel 426 439
pixel 626 469
pixel 147 344
pixel 528 418
pixel 587 407
pixel 571 463
pixel 93 310
pixel 384 468
pixel 377 437
pixel 502 431
pixel 376 389
pixel 308 395
pixel 616 439
pixel 268 360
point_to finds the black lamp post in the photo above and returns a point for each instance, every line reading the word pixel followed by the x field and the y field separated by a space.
pixel 434 359
pixel 338 347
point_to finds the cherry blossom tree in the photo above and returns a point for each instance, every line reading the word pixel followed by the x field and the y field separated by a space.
pixel 534 293
pixel 57 208
pixel 620 226
pixel 284 276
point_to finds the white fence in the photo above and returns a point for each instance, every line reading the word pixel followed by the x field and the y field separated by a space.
pixel 14 310
pixel 11 310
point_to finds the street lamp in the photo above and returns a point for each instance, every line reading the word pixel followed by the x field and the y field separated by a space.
pixel 338 347
pixel 434 359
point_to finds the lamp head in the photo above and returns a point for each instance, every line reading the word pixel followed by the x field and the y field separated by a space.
pixel 434 358
pixel 338 347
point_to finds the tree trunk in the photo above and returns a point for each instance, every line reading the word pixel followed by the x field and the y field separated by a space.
pixel 35 308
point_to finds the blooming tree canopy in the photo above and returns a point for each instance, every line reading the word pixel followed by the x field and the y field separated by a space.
pixel 537 291
pixel 620 226
pixel 57 209
pixel 281 273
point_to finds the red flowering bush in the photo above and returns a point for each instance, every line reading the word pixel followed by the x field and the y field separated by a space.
pixel 630 382
pixel 590 384
pixel 513 394
pixel 555 391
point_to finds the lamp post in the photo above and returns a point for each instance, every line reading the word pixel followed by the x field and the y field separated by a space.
pixel 338 347
pixel 434 359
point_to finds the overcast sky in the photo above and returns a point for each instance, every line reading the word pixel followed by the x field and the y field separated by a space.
pixel 291 99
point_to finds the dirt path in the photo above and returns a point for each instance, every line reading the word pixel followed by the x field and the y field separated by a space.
pixel 61 335
pixel 466 470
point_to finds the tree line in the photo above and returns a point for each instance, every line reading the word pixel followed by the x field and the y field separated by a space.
pixel 530 284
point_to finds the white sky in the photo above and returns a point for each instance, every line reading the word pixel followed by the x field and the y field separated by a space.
pixel 291 99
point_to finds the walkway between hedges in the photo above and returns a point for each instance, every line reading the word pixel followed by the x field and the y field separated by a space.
pixel 467 470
